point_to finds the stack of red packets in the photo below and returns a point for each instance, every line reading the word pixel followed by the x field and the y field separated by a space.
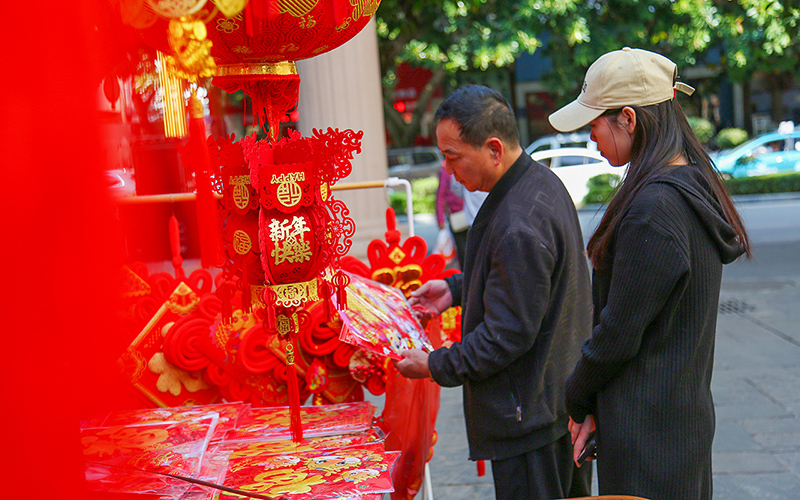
pixel 233 450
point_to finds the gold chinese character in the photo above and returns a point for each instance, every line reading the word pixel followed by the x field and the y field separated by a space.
pixel 290 244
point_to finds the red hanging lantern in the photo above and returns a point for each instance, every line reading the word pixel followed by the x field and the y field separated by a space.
pixel 302 229
pixel 255 43
pixel 270 31
pixel 255 50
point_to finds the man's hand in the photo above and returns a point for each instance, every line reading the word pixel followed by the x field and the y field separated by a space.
pixel 414 364
pixel 580 434
pixel 434 295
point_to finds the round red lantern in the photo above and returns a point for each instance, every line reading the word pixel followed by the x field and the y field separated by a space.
pixel 255 43
pixel 271 31
pixel 256 49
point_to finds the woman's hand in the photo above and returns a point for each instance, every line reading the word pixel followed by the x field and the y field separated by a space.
pixel 580 434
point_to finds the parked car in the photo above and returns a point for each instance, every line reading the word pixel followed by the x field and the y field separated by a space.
pixel 575 166
pixel 415 162
pixel 579 139
pixel 769 153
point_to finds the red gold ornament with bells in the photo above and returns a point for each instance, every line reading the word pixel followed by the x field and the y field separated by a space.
pixel 283 231
pixel 301 230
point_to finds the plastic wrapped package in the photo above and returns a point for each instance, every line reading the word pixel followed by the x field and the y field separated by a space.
pixel 272 424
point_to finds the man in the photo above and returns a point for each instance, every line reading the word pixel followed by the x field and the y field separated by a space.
pixel 526 304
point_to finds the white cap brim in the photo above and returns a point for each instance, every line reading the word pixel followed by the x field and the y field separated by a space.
pixel 573 116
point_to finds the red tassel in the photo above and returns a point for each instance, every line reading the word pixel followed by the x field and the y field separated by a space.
pixel 206 204
pixel 342 280
pixel 270 321
pixel 326 292
pixel 293 389
pixel 481 468
pixel 272 97
pixel 246 305
pixel 224 293
pixel 175 246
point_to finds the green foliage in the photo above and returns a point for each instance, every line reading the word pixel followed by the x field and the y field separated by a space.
pixel 455 36
pixel 601 188
pixel 758 35
pixel 423 195
pixel 731 137
pixel 680 30
pixel 451 37
pixel 775 183
pixel 459 35
pixel 703 129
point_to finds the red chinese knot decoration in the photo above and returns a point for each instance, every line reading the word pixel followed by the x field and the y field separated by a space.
pixel 284 232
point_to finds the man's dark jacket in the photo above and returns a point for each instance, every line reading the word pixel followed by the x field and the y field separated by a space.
pixel 526 302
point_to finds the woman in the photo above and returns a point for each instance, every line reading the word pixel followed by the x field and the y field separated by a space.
pixel 644 376
pixel 450 205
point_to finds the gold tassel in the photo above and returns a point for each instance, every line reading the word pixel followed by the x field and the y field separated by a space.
pixel 174 110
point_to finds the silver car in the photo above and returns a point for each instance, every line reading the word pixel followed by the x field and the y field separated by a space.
pixel 415 162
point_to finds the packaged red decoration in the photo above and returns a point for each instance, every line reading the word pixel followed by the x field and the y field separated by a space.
pixel 272 424
pixel 319 474
pixel 378 319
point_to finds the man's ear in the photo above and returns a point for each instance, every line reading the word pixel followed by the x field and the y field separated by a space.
pixel 496 147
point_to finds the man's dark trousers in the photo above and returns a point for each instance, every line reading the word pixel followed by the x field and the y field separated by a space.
pixel 545 473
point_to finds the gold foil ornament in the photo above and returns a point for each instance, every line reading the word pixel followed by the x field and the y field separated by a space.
pixel 173 9
pixel 192 51
pixel 230 8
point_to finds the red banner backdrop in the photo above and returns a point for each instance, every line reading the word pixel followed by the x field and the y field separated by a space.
pixel 60 250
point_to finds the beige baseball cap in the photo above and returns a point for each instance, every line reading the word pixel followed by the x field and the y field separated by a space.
pixel 627 77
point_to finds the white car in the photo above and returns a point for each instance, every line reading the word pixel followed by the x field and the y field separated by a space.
pixel 578 139
pixel 575 166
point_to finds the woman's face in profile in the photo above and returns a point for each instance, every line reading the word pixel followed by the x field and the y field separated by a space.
pixel 612 138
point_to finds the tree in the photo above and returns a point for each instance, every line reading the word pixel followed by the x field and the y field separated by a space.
pixel 680 30
pixel 761 38
pixel 451 37
pixel 754 38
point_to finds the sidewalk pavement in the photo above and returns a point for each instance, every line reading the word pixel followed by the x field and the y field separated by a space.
pixel 756 387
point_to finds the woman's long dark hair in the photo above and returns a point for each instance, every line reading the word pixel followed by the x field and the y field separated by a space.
pixel 662 133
